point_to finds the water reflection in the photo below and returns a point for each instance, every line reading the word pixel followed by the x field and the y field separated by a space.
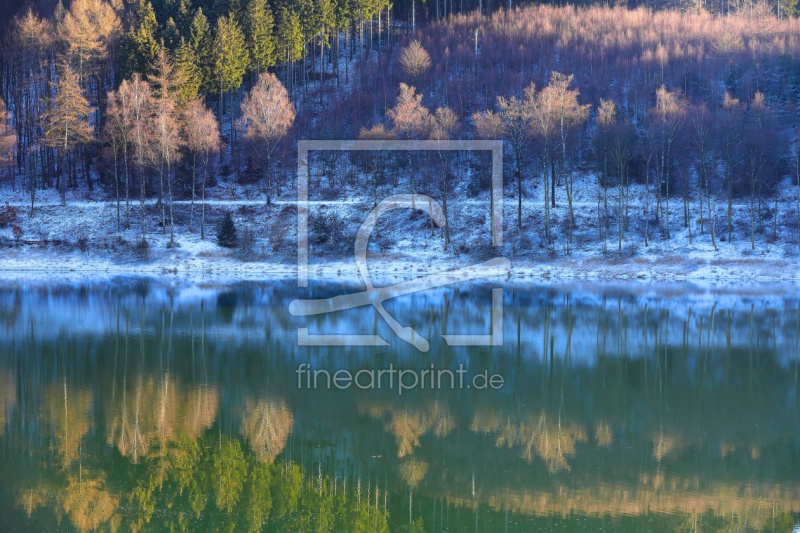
pixel 144 406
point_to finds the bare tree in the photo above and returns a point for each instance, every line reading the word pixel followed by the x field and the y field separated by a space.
pixel 517 117
pixel 730 133
pixel 201 132
pixel 558 112
pixel 167 132
pixel 444 124
pixel 606 119
pixel 66 123
pixel 667 117
pixel 8 138
pixel 623 142
pixel 142 134
pixel 701 125
pixel 267 115
pixel 117 133
pixel 411 120
pixel 415 59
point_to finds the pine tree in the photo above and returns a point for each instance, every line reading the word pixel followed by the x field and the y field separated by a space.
pixel 290 41
pixel 226 232
pixel 171 36
pixel 789 8
pixel 261 41
pixel 187 72
pixel 140 47
pixel 231 58
pixel 201 42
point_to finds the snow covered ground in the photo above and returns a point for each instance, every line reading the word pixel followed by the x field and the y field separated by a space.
pixel 80 239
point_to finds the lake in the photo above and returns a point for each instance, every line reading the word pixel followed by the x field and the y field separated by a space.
pixel 141 405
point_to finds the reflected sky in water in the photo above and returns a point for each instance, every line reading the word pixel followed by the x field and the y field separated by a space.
pixel 139 405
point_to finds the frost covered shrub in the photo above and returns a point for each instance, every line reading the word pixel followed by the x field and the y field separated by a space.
pixel 326 229
pixel 246 250
pixel 277 233
pixel 82 243
pixel 17 231
pixel 226 232
pixel 8 215
pixel 142 250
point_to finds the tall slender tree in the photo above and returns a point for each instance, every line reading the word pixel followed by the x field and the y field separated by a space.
pixel 8 138
pixel 411 120
pixel 140 45
pixel 201 132
pixel 167 133
pixel 517 116
pixel 260 31
pixel 230 60
pixel 558 111
pixel 667 117
pixel 202 43
pixel 67 125
pixel 88 31
pixel 267 115
pixel 188 73
pixel 117 133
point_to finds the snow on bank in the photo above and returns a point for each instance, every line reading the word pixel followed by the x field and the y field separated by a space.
pixel 80 240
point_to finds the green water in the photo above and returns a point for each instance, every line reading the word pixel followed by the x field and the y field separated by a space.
pixel 136 405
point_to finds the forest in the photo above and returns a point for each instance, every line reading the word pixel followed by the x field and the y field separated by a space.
pixel 621 124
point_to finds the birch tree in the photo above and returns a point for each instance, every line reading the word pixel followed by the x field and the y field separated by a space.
pixel 267 115
pixel 201 132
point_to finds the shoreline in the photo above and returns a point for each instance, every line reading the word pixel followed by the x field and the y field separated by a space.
pixel 43 265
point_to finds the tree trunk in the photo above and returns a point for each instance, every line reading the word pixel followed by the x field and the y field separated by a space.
pixel 194 179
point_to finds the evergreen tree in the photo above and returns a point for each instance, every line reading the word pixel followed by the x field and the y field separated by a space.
pixel 289 34
pixel 230 55
pixel 140 47
pixel 226 232
pixel 790 8
pixel 171 36
pixel 201 42
pixel 187 72
pixel 260 27
pixel 231 60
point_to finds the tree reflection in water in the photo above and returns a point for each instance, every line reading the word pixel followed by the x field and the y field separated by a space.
pixel 148 407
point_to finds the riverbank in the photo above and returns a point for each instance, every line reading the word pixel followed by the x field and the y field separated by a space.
pixel 80 239
pixel 200 265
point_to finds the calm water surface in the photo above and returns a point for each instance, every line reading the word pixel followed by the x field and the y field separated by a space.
pixel 137 405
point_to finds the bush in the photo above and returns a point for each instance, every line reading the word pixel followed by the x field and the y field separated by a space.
pixel 326 228
pixel 8 215
pixel 246 251
pixel 142 250
pixel 17 232
pixel 226 232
